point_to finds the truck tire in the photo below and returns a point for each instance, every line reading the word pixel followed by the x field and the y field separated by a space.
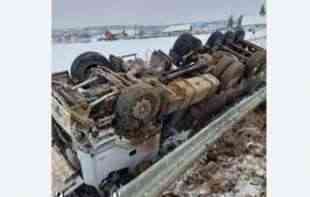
pixel 229 37
pixel 110 189
pixel 81 65
pixel 85 191
pixel 216 40
pixel 183 45
pixel 239 35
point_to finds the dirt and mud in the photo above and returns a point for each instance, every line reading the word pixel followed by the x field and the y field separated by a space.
pixel 235 166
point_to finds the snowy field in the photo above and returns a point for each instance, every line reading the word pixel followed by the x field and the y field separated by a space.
pixel 64 54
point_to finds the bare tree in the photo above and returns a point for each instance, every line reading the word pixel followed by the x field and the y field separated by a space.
pixel 239 22
pixel 262 10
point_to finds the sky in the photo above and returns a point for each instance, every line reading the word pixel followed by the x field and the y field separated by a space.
pixel 83 13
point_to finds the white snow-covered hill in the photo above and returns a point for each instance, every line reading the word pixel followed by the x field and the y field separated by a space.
pixel 64 54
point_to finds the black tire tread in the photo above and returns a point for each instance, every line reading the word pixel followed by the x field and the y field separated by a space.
pixel 83 62
pixel 229 37
pixel 239 35
pixel 183 45
pixel 215 40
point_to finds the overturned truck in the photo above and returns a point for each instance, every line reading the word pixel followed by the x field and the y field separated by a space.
pixel 113 118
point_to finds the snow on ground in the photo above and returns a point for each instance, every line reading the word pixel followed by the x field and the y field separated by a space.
pixel 64 54
pixel 253 20
pixel 235 166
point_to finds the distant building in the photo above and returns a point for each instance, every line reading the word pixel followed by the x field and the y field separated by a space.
pixel 109 36
pixel 177 29
pixel 115 34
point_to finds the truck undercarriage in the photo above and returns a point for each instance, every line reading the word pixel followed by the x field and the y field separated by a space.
pixel 113 118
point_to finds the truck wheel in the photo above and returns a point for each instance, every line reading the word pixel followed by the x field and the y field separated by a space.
pixel 216 40
pixel 85 191
pixel 239 35
pixel 109 190
pixel 81 65
pixel 229 37
pixel 182 46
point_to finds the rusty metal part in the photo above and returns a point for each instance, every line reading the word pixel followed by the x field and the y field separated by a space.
pixel 129 55
pixel 136 64
pixel 227 68
pixel 205 59
pixel 253 56
pixel 168 76
pixel 84 83
pixel 65 114
pixel 190 91
pixel 134 70
pixel 160 62
pixel 232 75
pixel 116 77
pixel 128 107
pixel 203 111
pixel 97 90
pixel 138 105
pixel 221 65
pixel 70 97
pixel 240 56
pixel 142 109
pixel 104 97
pixel 107 76
pixel 145 133
pixel 240 49
pixel 245 51
pixel 117 63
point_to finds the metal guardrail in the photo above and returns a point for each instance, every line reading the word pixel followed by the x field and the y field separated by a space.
pixel 158 177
